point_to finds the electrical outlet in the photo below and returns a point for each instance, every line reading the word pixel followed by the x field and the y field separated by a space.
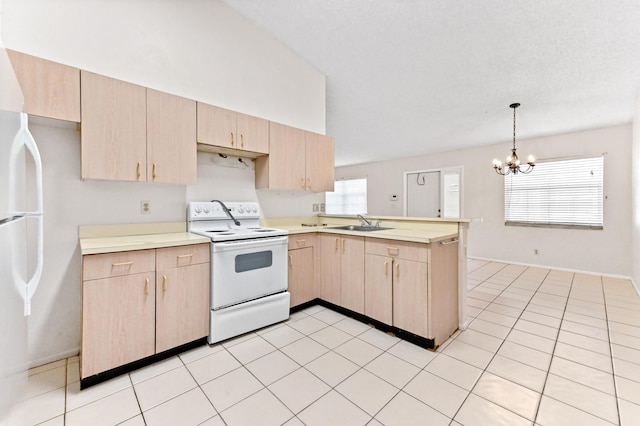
pixel 145 207
pixel 535 251
pixel 322 207
pixel 316 207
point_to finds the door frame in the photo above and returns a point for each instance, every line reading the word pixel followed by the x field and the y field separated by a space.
pixel 443 171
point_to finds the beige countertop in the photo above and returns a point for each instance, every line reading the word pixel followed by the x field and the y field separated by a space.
pixel 415 230
pixel 114 238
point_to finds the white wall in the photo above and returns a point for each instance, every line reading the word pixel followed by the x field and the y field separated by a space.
pixel 606 251
pixel 198 49
pixel 635 198
pixel 202 50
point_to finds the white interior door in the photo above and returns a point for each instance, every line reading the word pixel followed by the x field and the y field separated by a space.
pixel 423 194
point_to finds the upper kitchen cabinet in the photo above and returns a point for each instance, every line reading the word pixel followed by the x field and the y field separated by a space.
pixel 114 135
pixel 136 134
pixel 50 89
pixel 297 160
pixel 319 162
pixel 229 131
pixel 171 138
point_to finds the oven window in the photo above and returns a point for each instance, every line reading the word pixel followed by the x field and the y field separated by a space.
pixel 251 261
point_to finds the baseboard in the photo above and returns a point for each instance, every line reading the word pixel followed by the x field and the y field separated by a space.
pixel 557 268
pixel 53 358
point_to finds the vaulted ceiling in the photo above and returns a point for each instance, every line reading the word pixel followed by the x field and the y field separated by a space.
pixel 413 77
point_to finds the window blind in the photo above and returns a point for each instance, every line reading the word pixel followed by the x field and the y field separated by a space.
pixel 557 193
pixel 348 197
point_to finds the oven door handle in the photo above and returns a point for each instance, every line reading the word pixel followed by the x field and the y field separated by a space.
pixel 252 243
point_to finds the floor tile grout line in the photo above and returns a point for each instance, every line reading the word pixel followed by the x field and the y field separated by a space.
pixel 613 369
pixel 498 349
pixel 555 344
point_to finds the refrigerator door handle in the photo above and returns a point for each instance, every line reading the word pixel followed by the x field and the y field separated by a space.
pixel 25 138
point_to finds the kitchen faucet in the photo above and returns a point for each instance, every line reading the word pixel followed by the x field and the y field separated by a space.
pixel 365 220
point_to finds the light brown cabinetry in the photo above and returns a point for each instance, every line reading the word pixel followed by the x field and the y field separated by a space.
pixel 232 130
pixel 413 286
pixel 182 295
pixel 171 138
pixel 50 89
pixel 139 303
pixel 118 309
pixel 113 137
pixel 303 278
pixel 297 160
pixel 342 270
pixel 129 134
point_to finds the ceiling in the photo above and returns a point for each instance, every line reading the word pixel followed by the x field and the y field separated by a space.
pixel 413 77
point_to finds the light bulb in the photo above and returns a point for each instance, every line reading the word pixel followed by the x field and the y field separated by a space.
pixel 532 159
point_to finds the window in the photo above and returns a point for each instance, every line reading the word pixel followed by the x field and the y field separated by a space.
pixel 349 197
pixel 557 193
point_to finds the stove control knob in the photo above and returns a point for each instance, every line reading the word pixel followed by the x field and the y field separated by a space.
pixel 240 210
pixel 206 209
pixel 198 209
pixel 254 209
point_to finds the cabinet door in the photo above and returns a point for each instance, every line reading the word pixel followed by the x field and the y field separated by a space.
pixel 171 138
pixel 284 167
pixel 410 301
pixel 182 305
pixel 216 126
pixel 50 89
pixel 352 273
pixel 253 133
pixel 301 275
pixel 320 162
pixel 330 267
pixel 378 288
pixel 117 321
pixel 114 136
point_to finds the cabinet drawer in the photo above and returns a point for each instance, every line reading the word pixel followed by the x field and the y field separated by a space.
pixel 298 241
pixel 394 248
pixel 174 257
pixel 107 265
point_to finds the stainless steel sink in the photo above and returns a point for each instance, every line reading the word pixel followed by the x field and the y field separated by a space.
pixel 359 228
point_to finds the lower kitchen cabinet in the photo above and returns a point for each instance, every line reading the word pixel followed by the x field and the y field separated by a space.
pixel 342 270
pixel 117 321
pixel 413 286
pixel 140 303
pixel 302 268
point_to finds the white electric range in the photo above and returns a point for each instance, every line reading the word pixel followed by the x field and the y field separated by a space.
pixel 248 267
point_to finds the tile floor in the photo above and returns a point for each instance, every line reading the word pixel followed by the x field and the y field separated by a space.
pixel 543 347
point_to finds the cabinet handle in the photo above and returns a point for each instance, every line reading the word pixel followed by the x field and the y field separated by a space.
pixel 121 264
pixel 393 251
pixel 302 183
pixel 146 286
pixel 138 170
pixel 343 245
pixel 164 283
pixel 308 183
pixel 231 138
pixel 153 173
pixel 386 267
pixel 241 140
pixel 290 260
pixel 397 269
pixel 442 243
pixel 180 256
pixel 336 245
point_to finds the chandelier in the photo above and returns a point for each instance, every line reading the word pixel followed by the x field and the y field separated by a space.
pixel 513 162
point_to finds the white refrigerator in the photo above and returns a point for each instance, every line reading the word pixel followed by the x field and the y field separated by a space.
pixel 21 238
